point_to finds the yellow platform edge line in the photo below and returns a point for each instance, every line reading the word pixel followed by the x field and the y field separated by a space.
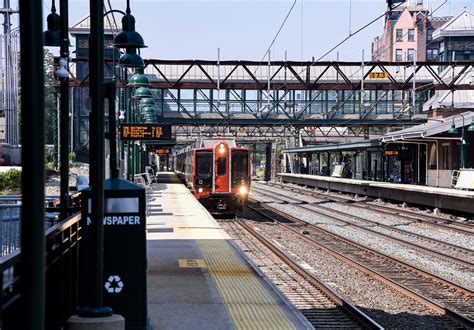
pixel 249 304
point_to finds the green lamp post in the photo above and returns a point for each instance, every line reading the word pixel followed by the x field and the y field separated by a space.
pixel 453 130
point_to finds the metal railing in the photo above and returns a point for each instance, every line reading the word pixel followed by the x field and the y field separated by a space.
pixel 62 269
pixel 10 214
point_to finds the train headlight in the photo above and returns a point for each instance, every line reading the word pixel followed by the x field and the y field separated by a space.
pixel 200 190
pixel 222 148
pixel 243 190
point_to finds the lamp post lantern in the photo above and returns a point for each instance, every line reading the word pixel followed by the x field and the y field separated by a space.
pixel 453 130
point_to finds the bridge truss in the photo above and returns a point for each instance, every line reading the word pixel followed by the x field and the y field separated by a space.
pixel 284 98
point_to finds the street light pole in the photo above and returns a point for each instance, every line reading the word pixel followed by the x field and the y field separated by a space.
pixel 453 130
pixel 32 177
pixel 64 110
pixel 96 56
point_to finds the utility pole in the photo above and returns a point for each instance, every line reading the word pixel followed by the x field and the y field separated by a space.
pixel 10 90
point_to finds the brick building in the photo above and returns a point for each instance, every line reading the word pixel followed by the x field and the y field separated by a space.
pixel 408 34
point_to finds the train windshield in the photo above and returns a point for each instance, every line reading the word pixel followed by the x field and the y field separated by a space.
pixel 203 164
pixel 221 166
pixel 240 165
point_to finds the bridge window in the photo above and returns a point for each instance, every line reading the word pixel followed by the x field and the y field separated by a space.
pixel 411 34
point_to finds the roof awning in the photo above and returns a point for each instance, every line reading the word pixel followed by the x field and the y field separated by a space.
pixel 429 129
pixel 336 147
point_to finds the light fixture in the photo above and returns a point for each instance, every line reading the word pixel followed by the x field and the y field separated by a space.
pixel 128 37
pixel 52 34
pixel 138 79
pixel 471 127
pixel 62 72
pixel 142 92
pixel 453 129
pixel 122 115
pixel 131 59
pixel 147 101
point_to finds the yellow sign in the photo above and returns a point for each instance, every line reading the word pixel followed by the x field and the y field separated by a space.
pixel 391 153
pixel 378 75
pixel 191 263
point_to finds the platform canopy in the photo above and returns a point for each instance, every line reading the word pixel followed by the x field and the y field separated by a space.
pixel 431 128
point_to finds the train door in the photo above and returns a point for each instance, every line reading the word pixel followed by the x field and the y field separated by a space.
pixel 221 168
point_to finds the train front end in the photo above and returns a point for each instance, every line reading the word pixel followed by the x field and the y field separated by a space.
pixel 221 177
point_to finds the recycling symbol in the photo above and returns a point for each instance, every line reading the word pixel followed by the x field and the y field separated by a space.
pixel 114 284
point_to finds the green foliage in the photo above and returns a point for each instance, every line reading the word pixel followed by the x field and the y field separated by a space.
pixel 50 111
pixel 260 172
pixel 51 158
pixel 10 180
pixel 72 158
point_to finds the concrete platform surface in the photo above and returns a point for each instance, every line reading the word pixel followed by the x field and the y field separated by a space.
pixel 197 278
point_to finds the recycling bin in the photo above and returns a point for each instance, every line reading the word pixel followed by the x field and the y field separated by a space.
pixel 124 283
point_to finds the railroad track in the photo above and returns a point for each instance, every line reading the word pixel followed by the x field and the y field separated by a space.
pixel 463 228
pixel 361 223
pixel 323 307
pixel 441 295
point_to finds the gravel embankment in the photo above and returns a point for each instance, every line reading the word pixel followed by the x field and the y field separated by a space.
pixel 52 182
pixel 428 262
pixel 385 305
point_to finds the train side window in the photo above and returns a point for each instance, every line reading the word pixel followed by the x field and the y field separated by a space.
pixel 221 166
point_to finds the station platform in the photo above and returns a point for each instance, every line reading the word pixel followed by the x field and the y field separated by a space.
pixel 198 278
pixel 441 198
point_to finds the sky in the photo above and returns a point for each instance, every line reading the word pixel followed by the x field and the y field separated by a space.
pixel 244 29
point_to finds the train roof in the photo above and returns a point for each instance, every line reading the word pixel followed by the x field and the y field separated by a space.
pixel 209 143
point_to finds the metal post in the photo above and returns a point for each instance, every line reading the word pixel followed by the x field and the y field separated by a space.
pixel 64 112
pixel 32 132
pixel 414 84
pixel 96 56
pixel 463 145
pixel 112 129
pixel 361 108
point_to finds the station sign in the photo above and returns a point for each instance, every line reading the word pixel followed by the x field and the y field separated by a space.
pixel 162 151
pixel 378 75
pixel 145 132
pixel 391 153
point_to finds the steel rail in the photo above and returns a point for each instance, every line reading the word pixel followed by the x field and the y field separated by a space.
pixel 321 211
pixel 429 302
pixel 354 312
pixel 387 210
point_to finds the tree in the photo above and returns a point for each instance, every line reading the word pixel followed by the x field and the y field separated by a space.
pixel 50 107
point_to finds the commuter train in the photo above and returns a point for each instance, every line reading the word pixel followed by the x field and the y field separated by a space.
pixel 217 172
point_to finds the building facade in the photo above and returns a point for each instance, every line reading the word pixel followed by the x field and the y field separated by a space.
pixel 408 35
pixel 456 38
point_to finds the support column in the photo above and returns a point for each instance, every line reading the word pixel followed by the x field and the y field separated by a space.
pixel 32 177
pixel 268 162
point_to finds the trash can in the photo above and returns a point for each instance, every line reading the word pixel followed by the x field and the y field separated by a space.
pixel 124 282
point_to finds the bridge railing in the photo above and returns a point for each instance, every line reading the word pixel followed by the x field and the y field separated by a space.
pixel 62 268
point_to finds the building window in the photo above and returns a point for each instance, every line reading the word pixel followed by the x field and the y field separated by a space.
pixel 411 34
pixel 429 35
pixel 431 54
pixel 411 54
pixel 399 34
pixel 398 55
